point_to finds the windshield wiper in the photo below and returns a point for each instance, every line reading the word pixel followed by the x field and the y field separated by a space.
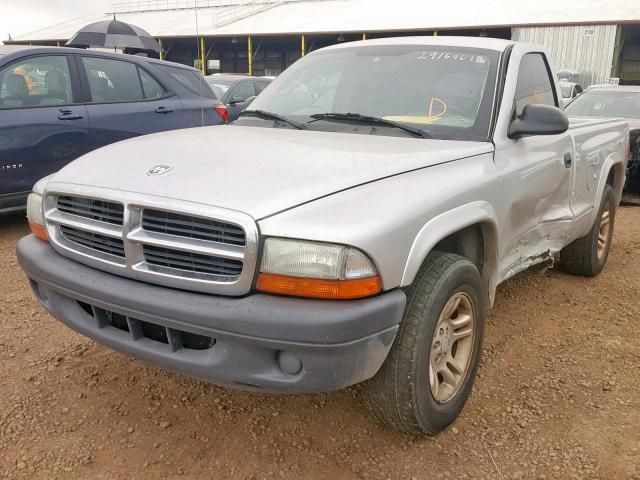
pixel 273 116
pixel 418 132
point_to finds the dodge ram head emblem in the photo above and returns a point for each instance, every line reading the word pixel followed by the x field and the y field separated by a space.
pixel 158 170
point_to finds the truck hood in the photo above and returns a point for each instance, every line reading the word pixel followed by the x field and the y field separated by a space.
pixel 259 171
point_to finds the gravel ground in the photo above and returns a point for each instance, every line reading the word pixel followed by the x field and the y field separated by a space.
pixel 557 397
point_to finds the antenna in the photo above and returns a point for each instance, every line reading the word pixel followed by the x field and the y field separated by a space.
pixel 201 56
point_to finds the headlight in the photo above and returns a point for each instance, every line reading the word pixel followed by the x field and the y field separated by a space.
pixel 314 269
pixel 34 214
pixel 34 208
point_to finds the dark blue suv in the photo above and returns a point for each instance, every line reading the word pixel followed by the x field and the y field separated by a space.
pixel 57 104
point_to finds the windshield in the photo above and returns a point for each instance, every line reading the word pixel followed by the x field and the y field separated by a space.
pixel 566 90
pixel 606 104
pixel 444 90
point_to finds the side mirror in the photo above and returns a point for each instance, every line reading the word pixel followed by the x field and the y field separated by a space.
pixel 237 100
pixel 250 100
pixel 539 120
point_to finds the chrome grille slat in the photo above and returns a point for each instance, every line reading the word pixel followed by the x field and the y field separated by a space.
pixel 95 226
pixel 201 248
pixel 192 227
pixel 191 245
pixel 99 210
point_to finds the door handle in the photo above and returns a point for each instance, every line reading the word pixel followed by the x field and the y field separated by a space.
pixel 568 160
pixel 163 110
pixel 69 116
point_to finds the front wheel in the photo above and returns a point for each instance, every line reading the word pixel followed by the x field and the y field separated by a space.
pixel 427 377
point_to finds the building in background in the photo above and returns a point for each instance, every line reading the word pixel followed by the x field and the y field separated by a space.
pixel 600 39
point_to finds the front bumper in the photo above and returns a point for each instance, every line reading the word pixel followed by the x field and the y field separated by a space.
pixel 259 342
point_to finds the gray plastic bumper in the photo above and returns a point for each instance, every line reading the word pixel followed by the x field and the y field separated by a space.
pixel 259 342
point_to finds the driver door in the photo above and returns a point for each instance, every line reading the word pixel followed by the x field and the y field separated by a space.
pixel 536 175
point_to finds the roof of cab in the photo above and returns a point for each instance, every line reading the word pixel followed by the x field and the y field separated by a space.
pixel 615 88
pixel 232 77
pixel 16 49
pixel 448 41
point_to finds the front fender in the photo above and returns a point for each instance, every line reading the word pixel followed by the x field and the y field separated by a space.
pixel 439 227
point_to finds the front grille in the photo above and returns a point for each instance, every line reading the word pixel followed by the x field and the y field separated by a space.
pixel 192 227
pixel 203 248
pixel 138 329
pixel 98 210
pixel 94 241
pixel 191 262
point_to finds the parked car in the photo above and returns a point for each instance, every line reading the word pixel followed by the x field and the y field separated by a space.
pixel 569 91
pixel 57 104
pixel 236 91
pixel 358 234
pixel 612 101
pixel 568 75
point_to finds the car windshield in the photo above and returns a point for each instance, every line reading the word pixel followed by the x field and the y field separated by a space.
pixel 446 91
pixel 596 103
pixel 566 90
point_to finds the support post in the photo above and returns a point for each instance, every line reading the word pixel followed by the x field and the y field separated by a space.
pixel 303 47
pixel 435 33
pixel 364 36
pixel 203 59
pixel 616 62
pixel 250 54
pixel 161 49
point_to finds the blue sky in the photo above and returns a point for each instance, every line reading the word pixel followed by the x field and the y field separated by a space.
pixel 24 16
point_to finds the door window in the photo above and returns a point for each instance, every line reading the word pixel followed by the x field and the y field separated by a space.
pixel 243 91
pixel 36 82
pixel 534 83
pixel 192 80
pixel 150 86
pixel 118 81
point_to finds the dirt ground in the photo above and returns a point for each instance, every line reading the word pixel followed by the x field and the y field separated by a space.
pixel 557 397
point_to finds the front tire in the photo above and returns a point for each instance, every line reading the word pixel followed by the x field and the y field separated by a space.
pixel 427 377
pixel 588 255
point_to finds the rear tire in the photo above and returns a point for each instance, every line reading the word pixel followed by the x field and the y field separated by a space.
pixel 427 377
pixel 588 255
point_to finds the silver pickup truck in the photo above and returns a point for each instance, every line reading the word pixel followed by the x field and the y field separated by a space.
pixel 351 227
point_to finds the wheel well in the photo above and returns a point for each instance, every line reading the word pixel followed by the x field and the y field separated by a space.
pixel 615 178
pixel 468 243
pixel 611 177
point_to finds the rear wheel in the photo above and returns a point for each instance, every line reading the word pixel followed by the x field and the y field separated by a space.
pixel 427 377
pixel 588 255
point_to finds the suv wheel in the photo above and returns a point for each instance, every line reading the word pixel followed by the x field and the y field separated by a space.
pixel 427 377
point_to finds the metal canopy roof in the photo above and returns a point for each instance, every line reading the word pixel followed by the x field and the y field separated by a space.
pixel 286 17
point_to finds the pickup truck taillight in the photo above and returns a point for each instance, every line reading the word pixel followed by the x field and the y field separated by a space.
pixel 223 112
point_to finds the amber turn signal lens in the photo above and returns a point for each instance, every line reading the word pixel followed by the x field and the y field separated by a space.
pixel 39 231
pixel 318 288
